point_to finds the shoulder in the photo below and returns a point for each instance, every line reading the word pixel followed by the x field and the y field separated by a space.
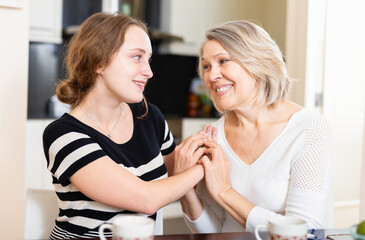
pixel 312 119
pixel 220 122
pixel 62 126
pixel 153 120
pixel 316 125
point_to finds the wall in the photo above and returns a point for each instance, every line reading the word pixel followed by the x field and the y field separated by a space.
pixel 344 102
pixel 295 47
pixel 275 21
pixel 13 102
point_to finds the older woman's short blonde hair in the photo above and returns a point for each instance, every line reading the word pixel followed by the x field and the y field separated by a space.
pixel 251 46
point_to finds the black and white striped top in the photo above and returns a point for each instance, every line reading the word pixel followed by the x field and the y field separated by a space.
pixel 69 145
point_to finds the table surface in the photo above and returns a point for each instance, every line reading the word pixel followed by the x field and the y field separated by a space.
pixel 320 233
pixel 212 236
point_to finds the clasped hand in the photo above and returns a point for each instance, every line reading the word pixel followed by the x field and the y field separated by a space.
pixel 202 148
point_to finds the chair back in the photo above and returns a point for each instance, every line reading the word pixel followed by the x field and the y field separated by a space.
pixel 41 210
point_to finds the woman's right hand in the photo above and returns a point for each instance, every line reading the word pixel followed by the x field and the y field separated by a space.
pixel 192 149
pixel 188 153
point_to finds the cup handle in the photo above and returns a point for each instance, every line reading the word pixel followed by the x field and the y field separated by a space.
pixel 257 229
pixel 102 228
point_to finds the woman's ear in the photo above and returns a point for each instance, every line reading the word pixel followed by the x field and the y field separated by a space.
pixel 100 71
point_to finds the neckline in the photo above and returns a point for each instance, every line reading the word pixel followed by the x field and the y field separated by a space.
pixel 101 133
pixel 285 129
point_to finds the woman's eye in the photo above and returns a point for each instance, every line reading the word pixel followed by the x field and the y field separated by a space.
pixel 224 61
pixel 205 67
pixel 137 57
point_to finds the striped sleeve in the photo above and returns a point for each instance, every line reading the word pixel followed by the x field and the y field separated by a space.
pixel 69 152
pixel 162 128
pixel 168 144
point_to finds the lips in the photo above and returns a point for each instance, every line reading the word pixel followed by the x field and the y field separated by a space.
pixel 139 84
pixel 222 90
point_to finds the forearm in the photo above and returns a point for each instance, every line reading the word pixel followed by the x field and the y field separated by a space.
pixel 236 205
pixel 165 191
pixel 191 205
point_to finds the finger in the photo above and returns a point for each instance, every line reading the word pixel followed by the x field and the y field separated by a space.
pixel 185 145
pixel 214 133
pixel 194 146
pixel 211 143
pixel 206 162
pixel 205 128
pixel 193 136
pixel 209 130
pixel 198 154
pixel 213 152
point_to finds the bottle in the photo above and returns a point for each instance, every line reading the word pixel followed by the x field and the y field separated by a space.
pixel 193 101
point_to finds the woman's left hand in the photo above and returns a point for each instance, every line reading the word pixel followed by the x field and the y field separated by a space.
pixel 216 167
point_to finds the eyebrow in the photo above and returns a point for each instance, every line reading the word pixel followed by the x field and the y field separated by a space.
pixel 139 49
pixel 218 55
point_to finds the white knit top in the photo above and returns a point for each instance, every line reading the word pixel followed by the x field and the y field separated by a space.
pixel 292 176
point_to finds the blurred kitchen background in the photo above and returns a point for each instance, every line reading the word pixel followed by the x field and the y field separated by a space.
pixel 323 45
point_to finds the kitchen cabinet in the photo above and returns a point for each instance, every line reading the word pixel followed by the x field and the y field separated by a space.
pixel 45 21
pixel 191 18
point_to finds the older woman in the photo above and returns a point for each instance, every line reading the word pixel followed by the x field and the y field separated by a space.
pixel 271 156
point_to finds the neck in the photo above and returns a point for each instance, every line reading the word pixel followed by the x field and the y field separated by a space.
pixel 102 109
pixel 102 117
pixel 254 115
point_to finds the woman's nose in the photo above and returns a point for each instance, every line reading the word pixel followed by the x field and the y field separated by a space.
pixel 214 74
pixel 146 70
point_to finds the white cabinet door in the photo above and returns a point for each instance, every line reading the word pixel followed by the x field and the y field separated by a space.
pixel 193 125
pixel 191 18
pixel 184 19
pixel 45 21
pixel 36 173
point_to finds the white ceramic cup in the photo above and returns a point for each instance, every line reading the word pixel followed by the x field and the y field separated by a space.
pixel 129 227
pixel 284 228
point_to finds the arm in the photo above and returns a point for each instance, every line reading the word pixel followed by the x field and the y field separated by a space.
pixel 105 181
pixel 218 184
pixel 188 154
pixel 200 216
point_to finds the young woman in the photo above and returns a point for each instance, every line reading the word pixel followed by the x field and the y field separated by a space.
pixel 272 157
pixel 111 153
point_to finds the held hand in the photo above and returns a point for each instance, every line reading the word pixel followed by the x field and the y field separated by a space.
pixel 188 153
pixel 216 167
pixel 210 131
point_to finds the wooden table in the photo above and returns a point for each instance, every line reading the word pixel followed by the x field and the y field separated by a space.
pixel 221 236
pixel 212 236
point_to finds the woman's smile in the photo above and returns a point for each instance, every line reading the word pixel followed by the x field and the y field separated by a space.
pixel 140 84
pixel 222 90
